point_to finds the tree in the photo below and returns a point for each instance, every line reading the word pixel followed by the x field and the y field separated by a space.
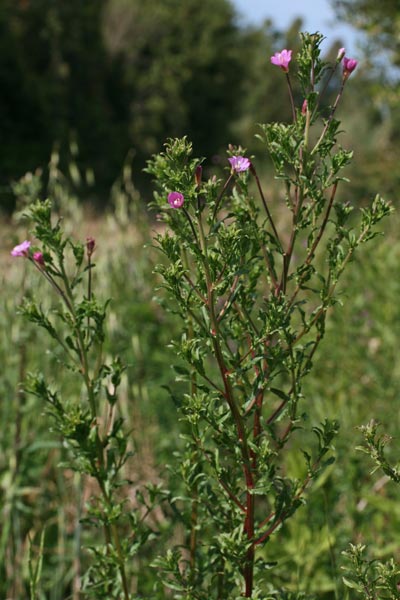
pixel 182 64
pixel 115 75
pixel 377 93
pixel 379 20
pixel 56 83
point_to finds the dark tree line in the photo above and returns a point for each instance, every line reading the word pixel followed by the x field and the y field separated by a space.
pixel 115 75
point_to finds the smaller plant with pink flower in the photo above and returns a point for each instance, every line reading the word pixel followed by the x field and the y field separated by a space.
pixel 90 425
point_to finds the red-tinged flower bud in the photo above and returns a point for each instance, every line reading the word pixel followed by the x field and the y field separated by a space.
pixel 90 245
pixel 304 107
pixel 38 258
pixel 198 174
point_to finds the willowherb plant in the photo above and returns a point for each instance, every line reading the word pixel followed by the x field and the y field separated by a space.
pixel 252 282
pixel 90 425
pixel 374 444
pixel 372 578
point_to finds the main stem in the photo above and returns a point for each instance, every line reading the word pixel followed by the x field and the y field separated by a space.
pixel 248 568
pixel 194 511
pixel 110 531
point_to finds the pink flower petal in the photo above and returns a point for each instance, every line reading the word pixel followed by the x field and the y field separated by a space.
pixel 239 163
pixel 282 59
pixel 349 64
pixel 22 249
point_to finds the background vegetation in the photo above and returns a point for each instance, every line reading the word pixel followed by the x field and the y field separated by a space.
pixel 93 84
pixel 110 76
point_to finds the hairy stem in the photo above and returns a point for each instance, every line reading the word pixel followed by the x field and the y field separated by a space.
pixel 237 418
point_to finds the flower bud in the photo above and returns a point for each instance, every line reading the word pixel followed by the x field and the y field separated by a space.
pixel 304 108
pixel 349 64
pixel 90 244
pixel 340 54
pixel 198 174
pixel 38 258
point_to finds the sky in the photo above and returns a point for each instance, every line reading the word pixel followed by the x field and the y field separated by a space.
pixel 317 16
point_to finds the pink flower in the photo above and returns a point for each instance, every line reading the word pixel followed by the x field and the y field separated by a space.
pixel 304 107
pixel 239 163
pixel 176 199
pixel 21 249
pixel 349 64
pixel 38 258
pixel 282 59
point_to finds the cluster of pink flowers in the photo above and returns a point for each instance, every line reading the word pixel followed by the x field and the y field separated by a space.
pixel 238 164
pixel 24 250
pixel 349 64
pixel 283 58
pixel 241 163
